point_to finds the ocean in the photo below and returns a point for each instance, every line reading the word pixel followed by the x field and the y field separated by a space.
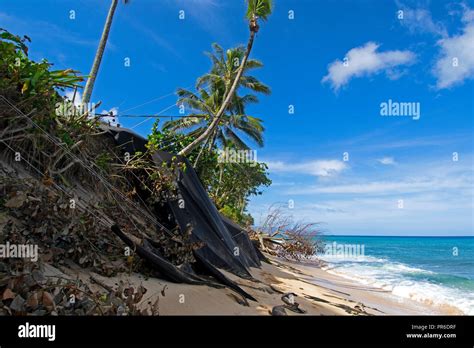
pixel 433 270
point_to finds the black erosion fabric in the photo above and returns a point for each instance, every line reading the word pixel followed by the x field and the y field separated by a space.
pixel 200 213
pixel 226 245
pixel 242 239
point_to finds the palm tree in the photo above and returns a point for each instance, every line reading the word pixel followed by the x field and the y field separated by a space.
pixel 100 52
pixel 225 68
pixel 256 9
pixel 204 105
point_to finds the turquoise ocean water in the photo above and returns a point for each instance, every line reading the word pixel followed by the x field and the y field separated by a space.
pixel 434 270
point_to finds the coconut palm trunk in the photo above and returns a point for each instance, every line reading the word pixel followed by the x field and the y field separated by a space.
pixel 99 54
pixel 230 94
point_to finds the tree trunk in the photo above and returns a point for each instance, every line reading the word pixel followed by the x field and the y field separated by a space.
pixel 99 54
pixel 225 104
pixel 213 140
pixel 221 172
pixel 201 151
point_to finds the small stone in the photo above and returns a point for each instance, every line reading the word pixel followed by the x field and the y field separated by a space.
pixel 17 304
pixel 278 311
pixel 16 201
pixel 48 300
pixel 29 281
pixel 38 276
pixel 32 301
pixel 8 294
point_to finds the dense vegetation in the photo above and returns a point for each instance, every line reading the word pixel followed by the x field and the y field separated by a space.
pixel 216 119
pixel 68 154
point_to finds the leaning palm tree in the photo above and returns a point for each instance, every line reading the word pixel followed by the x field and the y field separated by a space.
pixel 100 52
pixel 256 9
pixel 205 104
pixel 225 67
pixel 232 125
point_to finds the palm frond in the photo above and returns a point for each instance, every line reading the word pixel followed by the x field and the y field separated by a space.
pixel 255 85
pixel 259 9
pixel 253 64
pixel 184 123
pixel 235 139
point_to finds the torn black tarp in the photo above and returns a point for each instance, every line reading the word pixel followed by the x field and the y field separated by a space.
pixel 225 244
pixel 240 236
pixel 198 211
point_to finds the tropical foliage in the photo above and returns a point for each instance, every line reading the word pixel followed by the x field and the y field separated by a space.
pixel 32 79
pixel 32 90
pixel 229 184
pixel 256 9
pixel 205 103
pixel 217 116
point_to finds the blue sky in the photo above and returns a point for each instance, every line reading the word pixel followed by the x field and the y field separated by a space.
pixel 392 161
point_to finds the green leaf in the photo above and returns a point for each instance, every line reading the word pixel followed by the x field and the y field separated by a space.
pixel 259 9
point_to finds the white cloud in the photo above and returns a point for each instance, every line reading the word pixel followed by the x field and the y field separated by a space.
pixel 468 14
pixel 112 119
pixel 316 168
pixel 386 160
pixel 390 187
pixel 455 63
pixel 435 194
pixel 420 21
pixel 456 49
pixel 423 213
pixel 366 61
pixel 381 215
pixel 76 98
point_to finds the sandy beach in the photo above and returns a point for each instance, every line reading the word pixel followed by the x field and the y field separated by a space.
pixel 318 293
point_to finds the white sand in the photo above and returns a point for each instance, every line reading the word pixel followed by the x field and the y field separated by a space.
pixel 318 293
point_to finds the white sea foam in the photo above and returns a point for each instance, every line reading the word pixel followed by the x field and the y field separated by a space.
pixel 338 259
pixel 390 276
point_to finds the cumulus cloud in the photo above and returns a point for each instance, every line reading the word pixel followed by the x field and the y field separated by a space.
pixel 456 61
pixel 318 168
pixel 112 119
pixel 386 160
pixel 366 60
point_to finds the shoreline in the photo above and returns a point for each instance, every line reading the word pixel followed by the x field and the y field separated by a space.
pixel 318 292
pixel 380 301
